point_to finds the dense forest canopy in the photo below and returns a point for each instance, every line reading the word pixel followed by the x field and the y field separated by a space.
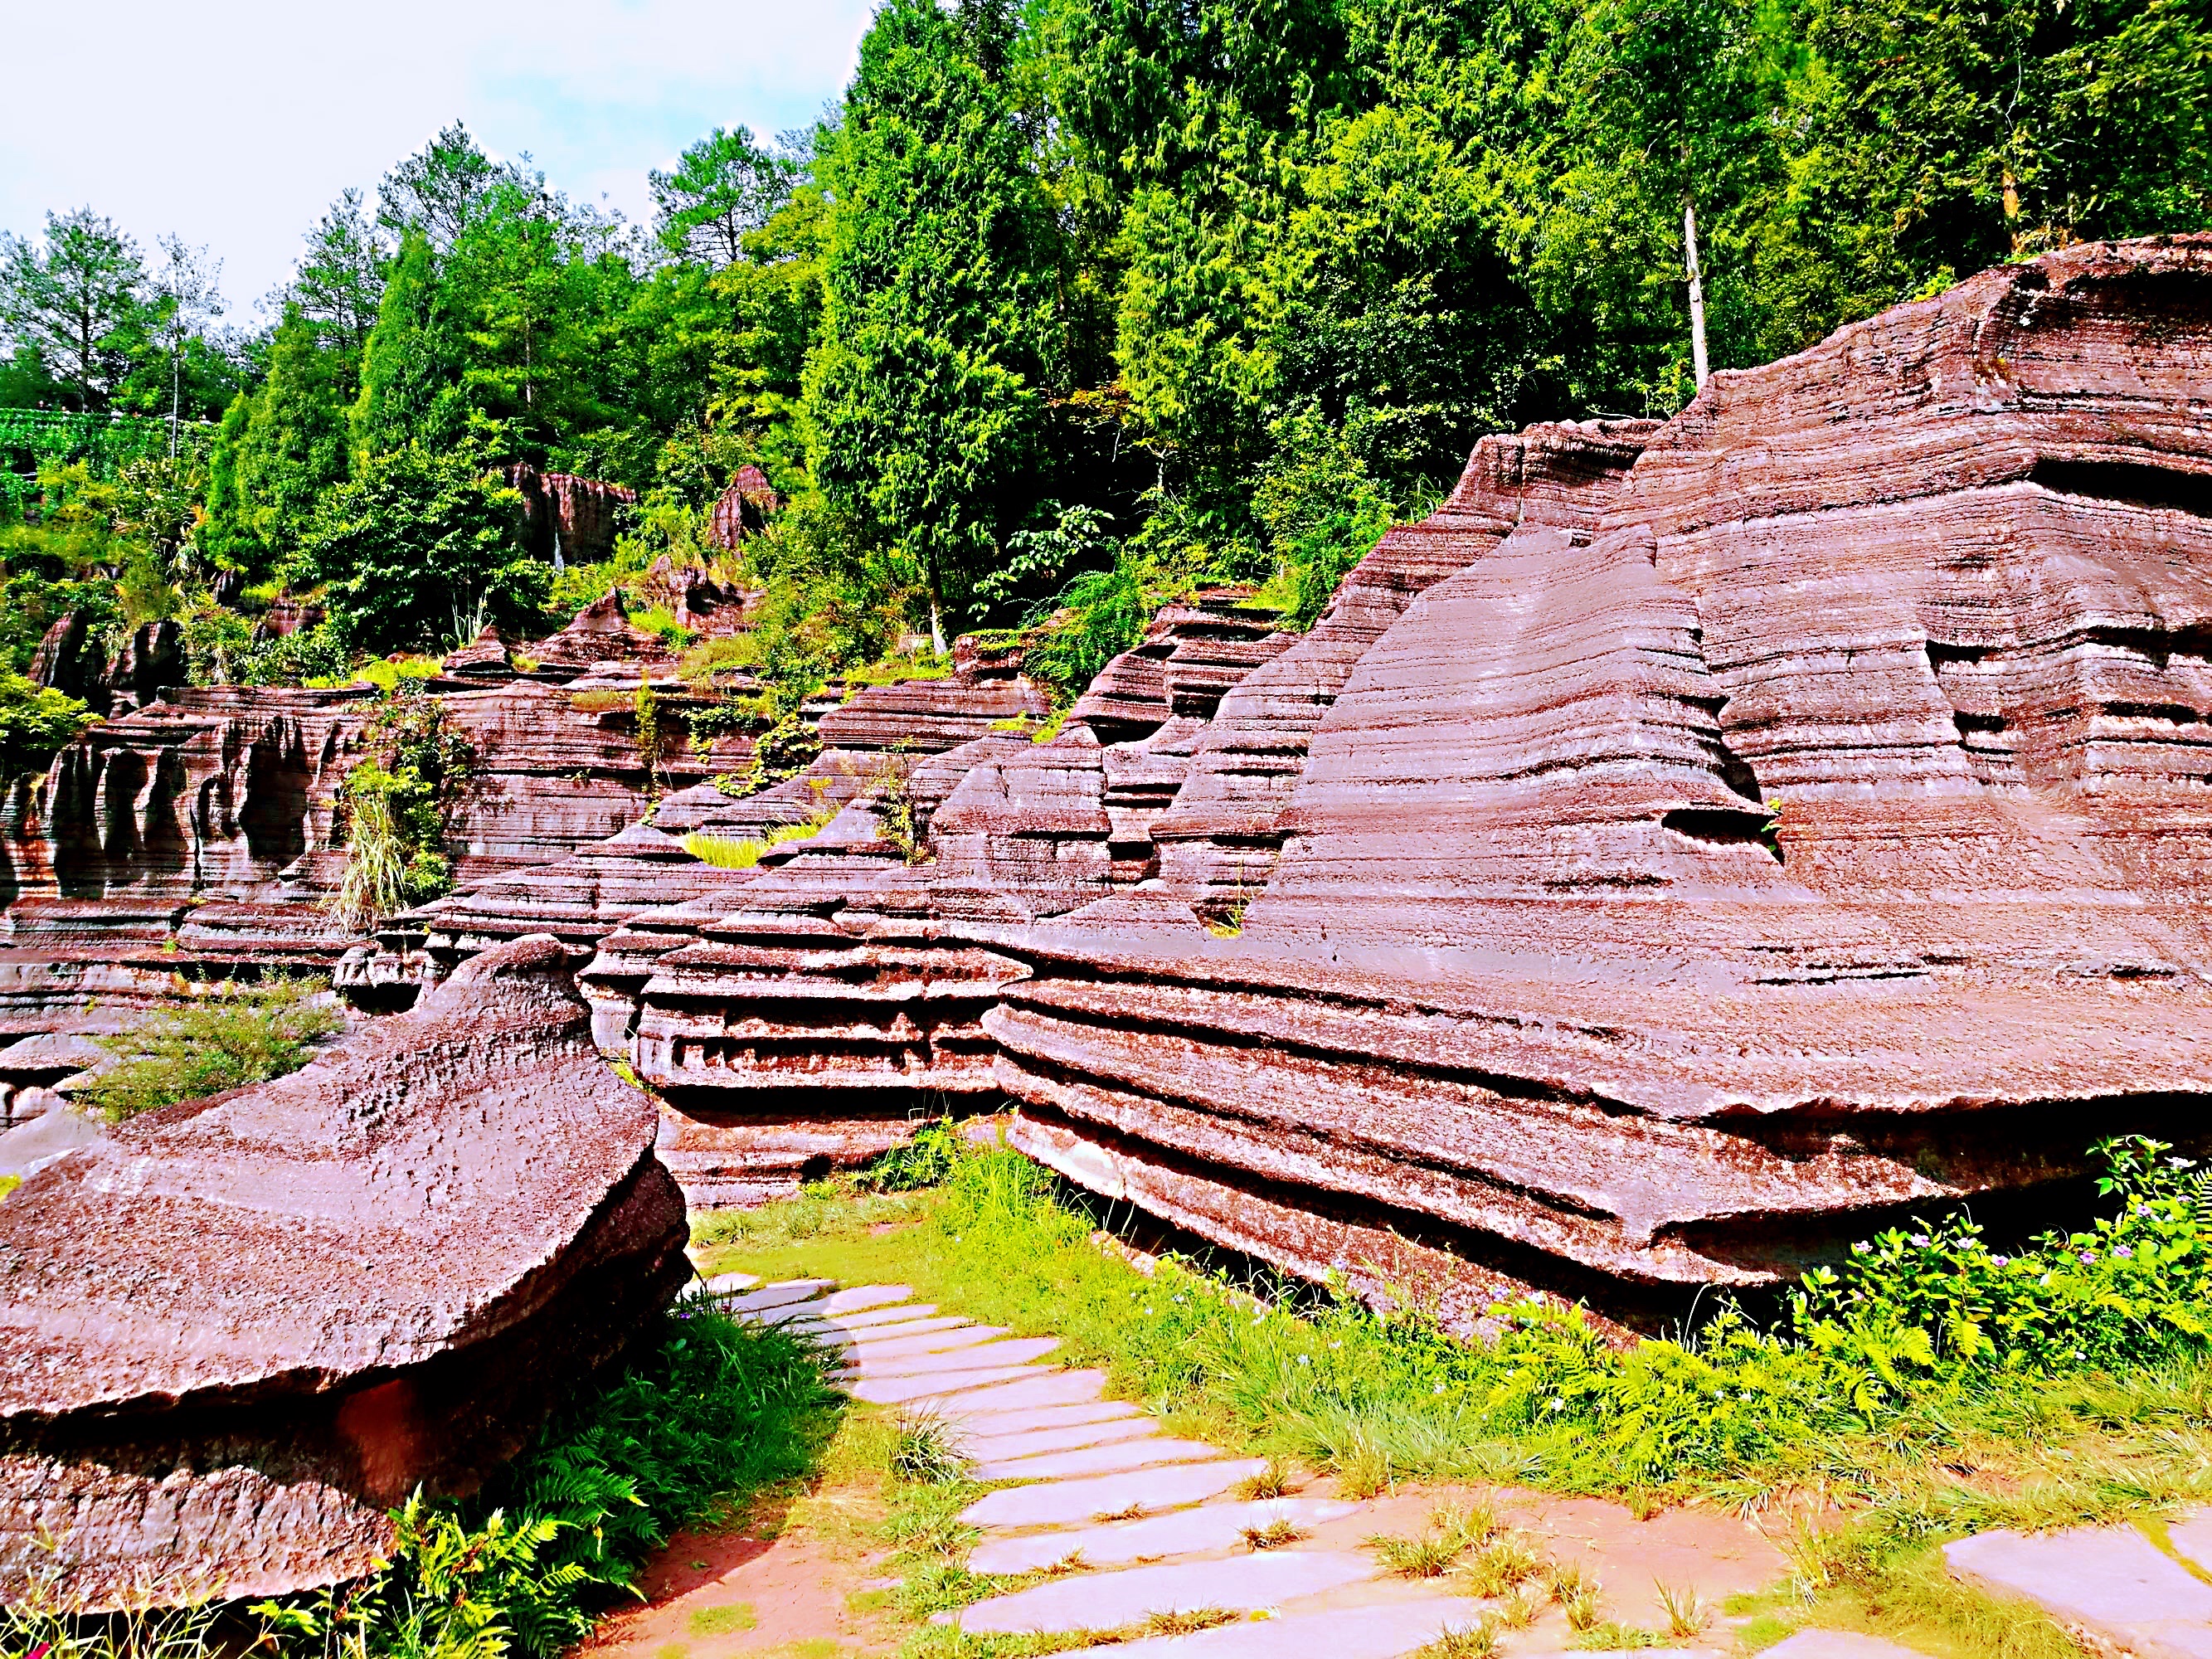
pixel 1070 303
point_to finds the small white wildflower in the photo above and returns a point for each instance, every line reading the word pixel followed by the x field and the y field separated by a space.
pixel 1439 1389
pixel 1558 1404
pixel 1338 1343
pixel 1302 1360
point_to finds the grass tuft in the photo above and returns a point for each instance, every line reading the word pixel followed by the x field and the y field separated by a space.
pixel 243 1035
pixel 1272 1481
pixel 1272 1536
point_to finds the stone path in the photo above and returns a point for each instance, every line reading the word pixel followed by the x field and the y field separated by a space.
pixel 1120 1528
pixel 1167 1541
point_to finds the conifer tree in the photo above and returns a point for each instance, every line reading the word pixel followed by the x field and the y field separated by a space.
pixel 409 376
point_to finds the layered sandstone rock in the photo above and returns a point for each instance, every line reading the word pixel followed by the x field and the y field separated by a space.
pixel 239 1330
pixel 567 519
pixel 1814 834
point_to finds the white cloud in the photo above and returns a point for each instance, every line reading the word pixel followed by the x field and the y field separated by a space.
pixel 236 123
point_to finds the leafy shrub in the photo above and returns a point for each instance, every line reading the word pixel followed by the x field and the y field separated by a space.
pixel 243 1035
pixel 35 722
pixel 1322 513
pixel 714 1414
pixel 317 655
pixel 926 1160
pixel 416 538
pixel 399 805
pixel 1097 617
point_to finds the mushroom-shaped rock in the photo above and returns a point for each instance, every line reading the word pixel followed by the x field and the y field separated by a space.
pixel 239 1330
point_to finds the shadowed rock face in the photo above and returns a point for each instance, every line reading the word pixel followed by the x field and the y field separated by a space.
pixel 237 1331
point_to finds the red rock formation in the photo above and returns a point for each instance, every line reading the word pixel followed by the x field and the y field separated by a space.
pixel 1532 979
pixel 567 519
pixel 241 1329
pixel 744 510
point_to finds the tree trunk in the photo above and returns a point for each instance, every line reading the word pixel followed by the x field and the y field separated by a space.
pixel 1696 292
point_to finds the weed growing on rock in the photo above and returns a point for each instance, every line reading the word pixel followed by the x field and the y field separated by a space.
pixel 243 1033
pixel 1272 1481
pixel 1272 1536
pixel 1477 1641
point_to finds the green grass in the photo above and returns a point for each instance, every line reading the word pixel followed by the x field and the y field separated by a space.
pixel 244 1034
pixel 723 1621
pixel 731 852
pixel 385 675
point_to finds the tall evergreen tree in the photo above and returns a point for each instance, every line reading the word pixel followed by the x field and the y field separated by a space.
pixel 926 389
pixel 409 369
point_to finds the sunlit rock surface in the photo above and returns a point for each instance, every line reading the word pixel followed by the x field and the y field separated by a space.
pixel 239 1331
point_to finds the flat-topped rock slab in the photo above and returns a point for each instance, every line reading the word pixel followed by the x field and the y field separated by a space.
pixel 954 1361
pixel 862 1298
pixel 840 1333
pixel 1069 1502
pixel 1200 1531
pixel 1392 1631
pixel 1071 1437
pixel 952 1335
pixel 979 1404
pixel 770 1298
pixel 2111 1582
pixel 1097 1460
pixel 898 1390
pixel 730 1284
pixel 983 1426
pixel 1112 1600
pixel 904 1313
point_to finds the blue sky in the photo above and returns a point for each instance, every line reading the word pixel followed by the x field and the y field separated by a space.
pixel 235 123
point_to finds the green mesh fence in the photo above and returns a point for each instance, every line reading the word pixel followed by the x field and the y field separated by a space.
pixel 32 438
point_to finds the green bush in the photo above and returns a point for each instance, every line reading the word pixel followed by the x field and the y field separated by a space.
pixel 399 804
pixel 416 539
pixel 716 1411
pixel 35 722
pixel 244 1034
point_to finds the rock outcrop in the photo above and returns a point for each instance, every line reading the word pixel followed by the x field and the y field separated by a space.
pixel 1806 828
pixel 239 1330
pixel 567 519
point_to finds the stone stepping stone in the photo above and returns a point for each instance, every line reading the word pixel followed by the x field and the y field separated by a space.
pixel 1038 1419
pixel 772 1297
pixel 939 1341
pixel 862 1298
pixel 1045 1387
pixel 1180 1531
pixel 842 1335
pixel 988 1356
pixel 1073 1502
pixel 2111 1581
pixel 728 1284
pixel 1097 1460
pixel 1072 1437
pixel 899 1390
pixel 1388 1631
pixel 869 1317
pixel 2191 1537
pixel 1838 1644
pixel 1110 1601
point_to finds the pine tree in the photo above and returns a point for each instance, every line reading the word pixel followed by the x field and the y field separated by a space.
pixel 408 371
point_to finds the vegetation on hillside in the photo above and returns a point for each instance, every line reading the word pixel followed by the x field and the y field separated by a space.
pixel 1062 307
pixel 239 1035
